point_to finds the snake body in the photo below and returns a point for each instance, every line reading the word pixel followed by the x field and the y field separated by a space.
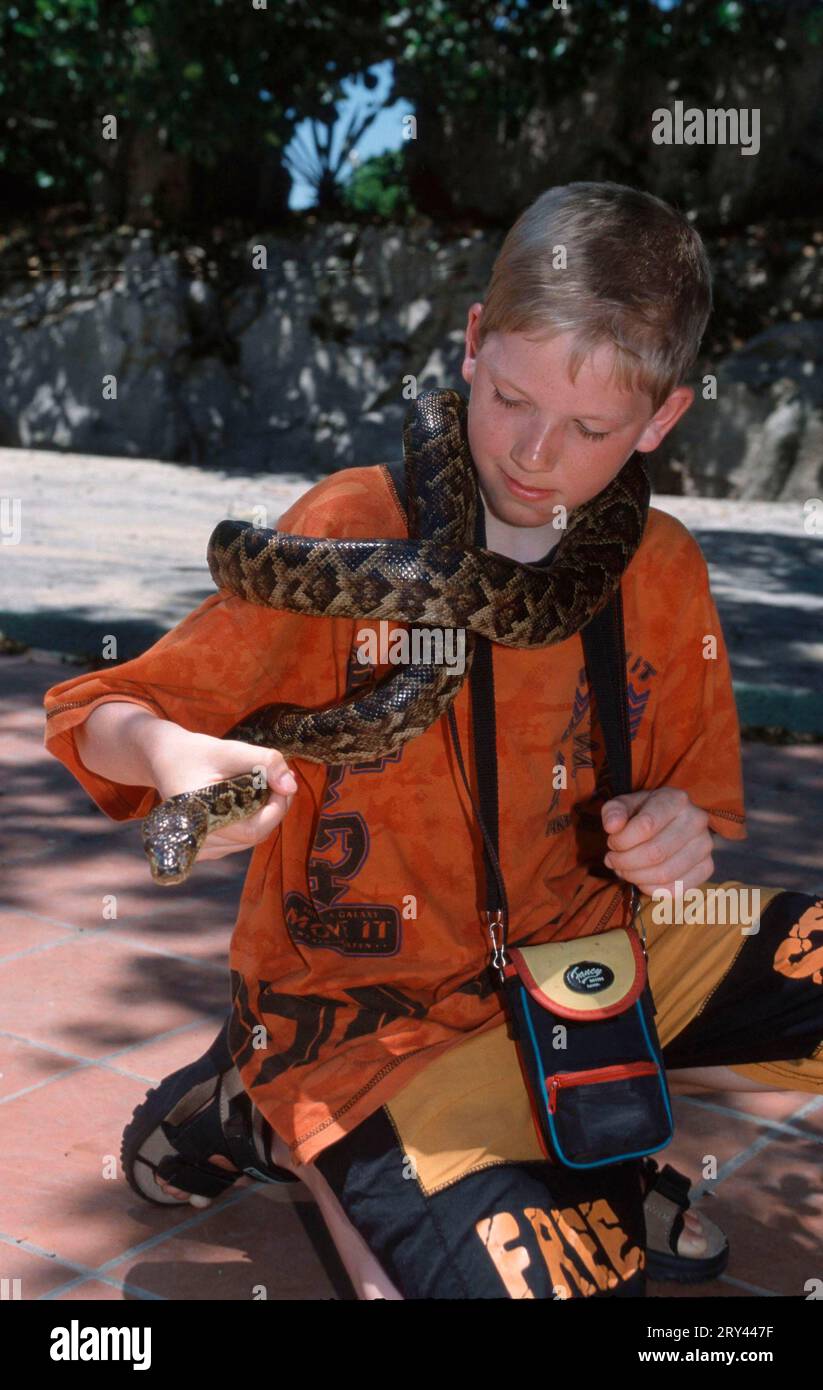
pixel 437 578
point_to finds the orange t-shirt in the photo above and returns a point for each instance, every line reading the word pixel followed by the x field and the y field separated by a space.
pixel 358 945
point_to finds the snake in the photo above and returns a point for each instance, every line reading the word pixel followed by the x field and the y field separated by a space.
pixel 437 577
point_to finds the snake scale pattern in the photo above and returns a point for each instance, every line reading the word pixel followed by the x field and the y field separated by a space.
pixel 437 578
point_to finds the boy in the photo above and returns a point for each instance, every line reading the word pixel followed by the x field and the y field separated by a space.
pixel 358 957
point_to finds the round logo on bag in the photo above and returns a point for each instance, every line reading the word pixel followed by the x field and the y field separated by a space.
pixel 588 977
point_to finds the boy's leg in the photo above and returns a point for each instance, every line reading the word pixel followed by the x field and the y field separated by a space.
pixel 715 1079
pixel 516 1230
pixel 745 994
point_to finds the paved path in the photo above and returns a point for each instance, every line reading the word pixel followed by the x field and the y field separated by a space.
pixel 110 545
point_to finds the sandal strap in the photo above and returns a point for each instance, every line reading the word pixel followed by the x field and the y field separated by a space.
pixel 238 1136
pixel 204 1179
pixel 676 1232
pixel 199 1134
pixel 674 1186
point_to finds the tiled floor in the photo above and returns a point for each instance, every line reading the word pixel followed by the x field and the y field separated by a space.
pixel 95 1010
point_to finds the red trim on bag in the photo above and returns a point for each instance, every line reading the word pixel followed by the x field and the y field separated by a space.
pixel 519 967
pixel 620 1071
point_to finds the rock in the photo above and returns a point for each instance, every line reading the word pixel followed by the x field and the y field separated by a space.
pixel 301 366
pixel 763 435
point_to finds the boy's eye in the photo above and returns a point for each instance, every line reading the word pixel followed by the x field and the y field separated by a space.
pixel 504 400
pixel 511 405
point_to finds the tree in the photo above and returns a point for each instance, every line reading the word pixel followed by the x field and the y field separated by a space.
pixel 204 82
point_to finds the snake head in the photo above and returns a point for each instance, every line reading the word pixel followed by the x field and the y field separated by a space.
pixel 172 836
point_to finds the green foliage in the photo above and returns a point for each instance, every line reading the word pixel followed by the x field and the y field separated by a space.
pixel 505 56
pixel 378 187
pixel 211 77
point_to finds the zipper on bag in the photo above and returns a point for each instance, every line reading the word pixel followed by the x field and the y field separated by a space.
pixel 617 1072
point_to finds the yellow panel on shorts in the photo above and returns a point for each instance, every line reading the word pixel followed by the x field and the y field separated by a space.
pixel 466 1110
pixel 793 1074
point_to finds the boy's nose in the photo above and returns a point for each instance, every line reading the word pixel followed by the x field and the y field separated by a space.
pixel 537 452
pixel 537 471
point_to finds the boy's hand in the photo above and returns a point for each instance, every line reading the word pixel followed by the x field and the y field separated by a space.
pixel 184 762
pixel 656 837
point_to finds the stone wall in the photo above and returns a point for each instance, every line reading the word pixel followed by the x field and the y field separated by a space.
pixel 300 367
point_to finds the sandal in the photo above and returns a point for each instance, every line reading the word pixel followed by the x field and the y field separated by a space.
pixel 665 1203
pixel 201 1109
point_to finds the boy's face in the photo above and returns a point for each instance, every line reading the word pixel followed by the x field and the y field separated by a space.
pixel 537 454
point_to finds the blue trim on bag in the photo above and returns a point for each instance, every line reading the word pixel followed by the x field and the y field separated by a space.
pixel 621 1158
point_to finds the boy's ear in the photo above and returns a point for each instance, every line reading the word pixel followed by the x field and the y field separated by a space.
pixel 675 405
pixel 470 354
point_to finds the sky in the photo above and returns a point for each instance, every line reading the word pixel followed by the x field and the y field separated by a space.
pixel 386 132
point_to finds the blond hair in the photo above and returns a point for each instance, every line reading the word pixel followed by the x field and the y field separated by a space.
pixel 636 276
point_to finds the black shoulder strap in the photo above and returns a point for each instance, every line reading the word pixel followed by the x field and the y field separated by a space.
pixel 605 652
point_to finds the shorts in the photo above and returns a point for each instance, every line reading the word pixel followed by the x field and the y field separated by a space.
pixel 446 1182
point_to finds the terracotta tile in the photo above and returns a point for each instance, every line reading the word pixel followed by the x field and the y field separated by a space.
pixel 94 1290
pixel 19 932
pixel 767 1105
pixel 56 1142
pixel 699 1132
pixel 202 931
pixel 178 921
pixel 771 1209
pixel 811 1123
pixel 763 1105
pixel 238 1248
pixel 23 1065
pixel 71 821
pixel 38 1274
pixel 94 994
pixel 781 1106
pixel 26 719
pixel 29 842
pixel 715 1288
pixel 157 1059
pixel 69 886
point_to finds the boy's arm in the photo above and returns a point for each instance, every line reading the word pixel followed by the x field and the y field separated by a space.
pixel 225 659
pixel 121 741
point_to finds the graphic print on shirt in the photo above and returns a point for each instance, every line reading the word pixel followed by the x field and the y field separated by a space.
pixel 300 1026
pixel 331 917
pixel 577 746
